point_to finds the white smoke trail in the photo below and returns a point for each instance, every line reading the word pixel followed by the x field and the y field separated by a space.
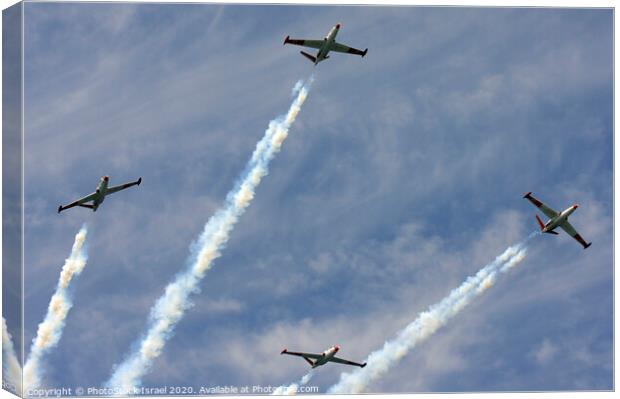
pixel 428 322
pixel 50 330
pixel 11 369
pixel 171 306
pixel 294 387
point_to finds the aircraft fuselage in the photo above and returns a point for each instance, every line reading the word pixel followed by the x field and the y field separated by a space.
pixel 557 219
pixel 324 46
pixel 329 41
pixel 326 356
pixel 97 198
pixel 102 188
pixel 553 223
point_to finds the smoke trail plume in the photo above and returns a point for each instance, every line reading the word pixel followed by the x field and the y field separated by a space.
pixel 294 387
pixel 171 306
pixel 50 330
pixel 11 369
pixel 428 322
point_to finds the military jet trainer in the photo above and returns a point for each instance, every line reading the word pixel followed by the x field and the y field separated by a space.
pixel 318 359
pixel 557 219
pixel 325 45
pixel 99 195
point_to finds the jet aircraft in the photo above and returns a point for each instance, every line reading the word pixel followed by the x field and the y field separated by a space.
pixel 318 359
pixel 325 45
pixel 99 195
pixel 557 219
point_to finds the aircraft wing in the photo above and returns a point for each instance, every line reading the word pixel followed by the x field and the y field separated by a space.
pixel 79 202
pixel 341 48
pixel 302 354
pixel 570 230
pixel 544 208
pixel 343 361
pixel 306 43
pixel 114 189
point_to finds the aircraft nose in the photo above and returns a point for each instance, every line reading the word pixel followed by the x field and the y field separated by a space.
pixel 106 178
pixel 575 206
pixel 337 348
pixel 337 26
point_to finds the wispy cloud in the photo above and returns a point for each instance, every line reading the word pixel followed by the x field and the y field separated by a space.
pixel 293 388
pixel 171 307
pixel 390 153
pixel 11 369
pixel 50 330
pixel 427 323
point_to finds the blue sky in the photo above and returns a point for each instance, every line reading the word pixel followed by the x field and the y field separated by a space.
pixel 402 175
pixel 11 191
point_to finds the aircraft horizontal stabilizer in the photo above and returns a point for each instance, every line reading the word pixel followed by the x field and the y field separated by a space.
pixel 308 56
pixel 540 223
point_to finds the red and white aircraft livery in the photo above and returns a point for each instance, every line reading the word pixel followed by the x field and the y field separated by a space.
pixel 557 219
pixel 99 195
pixel 319 359
pixel 325 45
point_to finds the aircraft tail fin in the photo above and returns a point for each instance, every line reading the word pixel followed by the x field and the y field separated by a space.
pixel 587 245
pixel 309 361
pixel 308 56
pixel 540 223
